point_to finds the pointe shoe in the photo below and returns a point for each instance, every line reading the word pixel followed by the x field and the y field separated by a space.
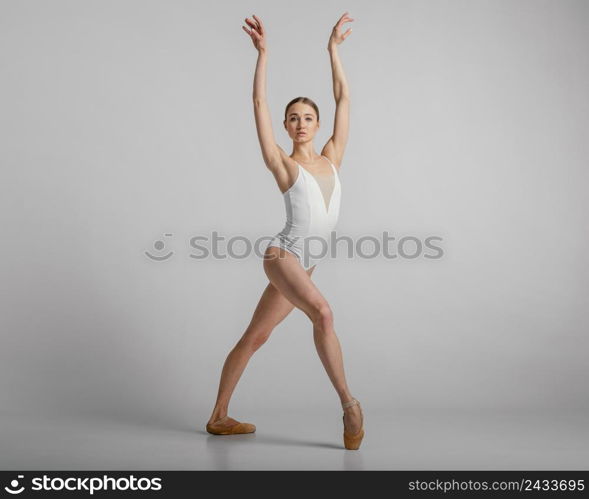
pixel 217 429
pixel 352 441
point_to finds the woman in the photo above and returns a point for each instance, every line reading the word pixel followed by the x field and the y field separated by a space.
pixel 310 185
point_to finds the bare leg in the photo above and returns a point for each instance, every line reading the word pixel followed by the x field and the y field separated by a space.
pixel 272 308
pixel 287 274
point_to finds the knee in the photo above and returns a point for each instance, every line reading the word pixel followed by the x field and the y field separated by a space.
pixel 323 318
pixel 252 340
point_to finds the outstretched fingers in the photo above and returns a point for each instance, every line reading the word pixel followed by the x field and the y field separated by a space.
pixel 261 25
pixel 344 18
pixel 256 30
pixel 251 23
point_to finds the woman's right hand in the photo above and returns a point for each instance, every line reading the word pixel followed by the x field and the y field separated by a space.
pixel 257 32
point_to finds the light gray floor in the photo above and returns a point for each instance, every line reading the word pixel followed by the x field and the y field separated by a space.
pixel 417 439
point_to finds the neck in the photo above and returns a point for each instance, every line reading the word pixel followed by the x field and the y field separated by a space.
pixel 304 152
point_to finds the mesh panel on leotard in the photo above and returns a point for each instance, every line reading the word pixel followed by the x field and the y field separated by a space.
pixel 326 184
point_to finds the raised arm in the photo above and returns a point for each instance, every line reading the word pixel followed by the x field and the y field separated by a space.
pixel 335 146
pixel 271 152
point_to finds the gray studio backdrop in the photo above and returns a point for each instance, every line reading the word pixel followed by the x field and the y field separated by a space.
pixel 127 128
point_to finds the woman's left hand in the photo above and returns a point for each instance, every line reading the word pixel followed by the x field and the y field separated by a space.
pixel 336 36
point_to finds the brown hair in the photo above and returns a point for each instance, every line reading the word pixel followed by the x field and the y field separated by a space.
pixel 304 100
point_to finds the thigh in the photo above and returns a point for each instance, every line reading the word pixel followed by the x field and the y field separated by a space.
pixel 272 308
pixel 290 278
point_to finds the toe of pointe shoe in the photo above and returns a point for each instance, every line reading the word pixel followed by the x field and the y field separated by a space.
pixel 246 428
pixel 352 442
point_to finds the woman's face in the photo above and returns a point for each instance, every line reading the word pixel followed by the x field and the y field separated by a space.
pixel 301 122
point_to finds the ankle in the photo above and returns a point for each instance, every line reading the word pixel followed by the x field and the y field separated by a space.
pixel 348 402
pixel 218 414
pixel 345 396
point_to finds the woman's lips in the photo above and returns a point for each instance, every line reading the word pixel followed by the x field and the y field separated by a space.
pixel 301 133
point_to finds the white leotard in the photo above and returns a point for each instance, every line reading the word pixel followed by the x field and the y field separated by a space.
pixel 312 209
